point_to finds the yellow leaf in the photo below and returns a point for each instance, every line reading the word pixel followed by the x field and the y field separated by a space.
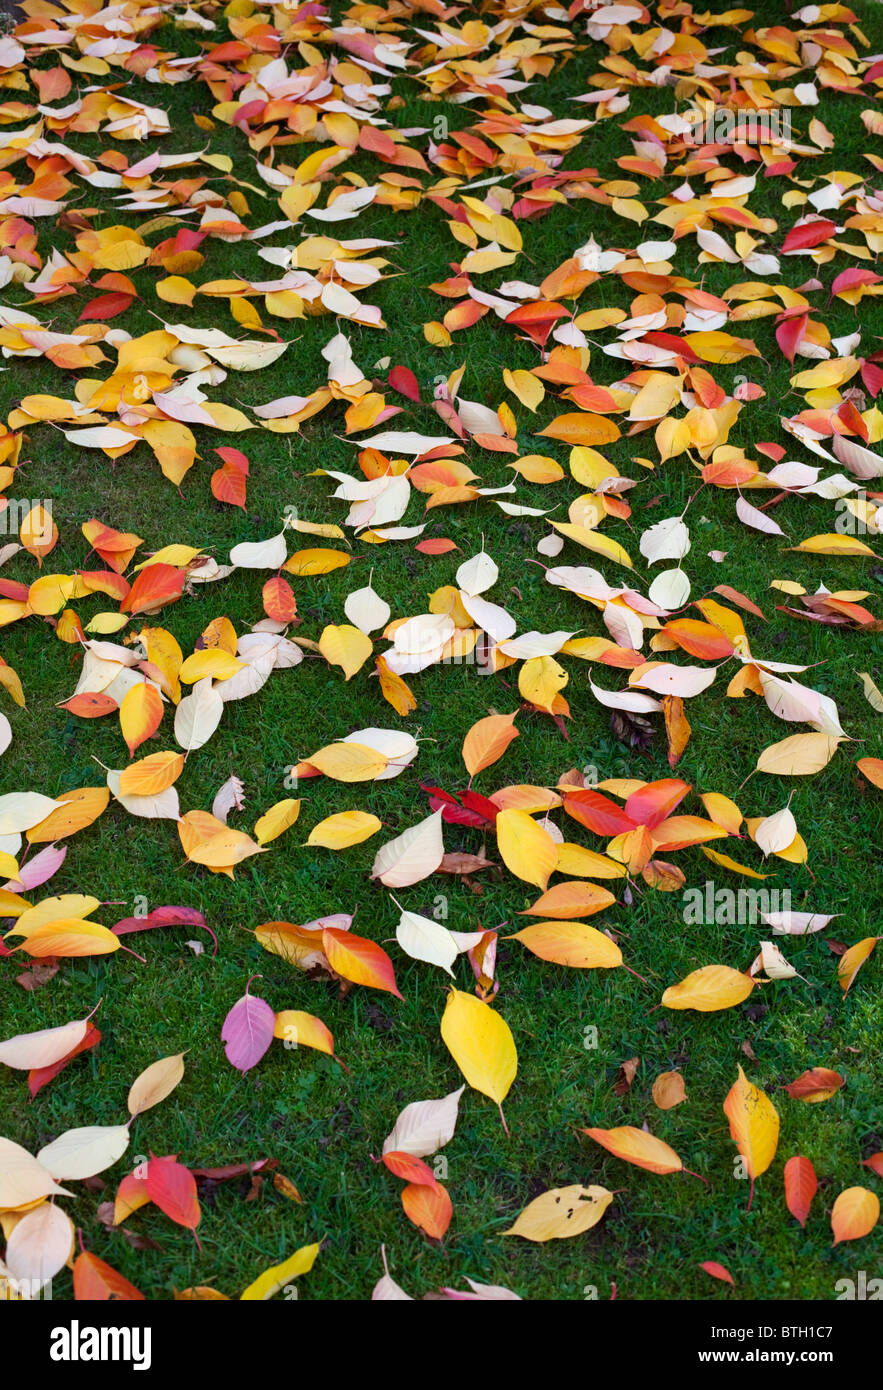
pixel 638 1147
pixel 346 647
pixel 528 388
pixel 344 829
pixel 562 1212
pixel 527 850
pixel 711 988
pixel 274 1279
pixel 480 1042
pixel 155 1083
pixel 800 755
pixel 349 762
pixel 834 544
pixel 570 943
pixel 213 661
pixel 278 819
pixel 852 960
pixel 540 680
pixel 152 774
pixel 754 1126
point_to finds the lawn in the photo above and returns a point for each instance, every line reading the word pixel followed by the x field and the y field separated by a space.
pixel 326 1125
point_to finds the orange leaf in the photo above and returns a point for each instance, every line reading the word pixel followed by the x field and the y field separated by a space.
pixel 487 741
pixel 855 1213
pixel 429 1208
pixel 140 715
pixel 155 586
pixel 638 1147
pixel 361 961
pixel 95 1281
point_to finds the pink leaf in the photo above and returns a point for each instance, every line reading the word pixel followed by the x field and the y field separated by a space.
pixel 248 1031
pixel 39 869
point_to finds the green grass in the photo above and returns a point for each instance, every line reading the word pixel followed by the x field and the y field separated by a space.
pixel 320 1123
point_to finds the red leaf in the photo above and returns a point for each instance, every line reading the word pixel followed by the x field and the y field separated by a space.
pixel 411 1169
pixel 165 917
pixel 717 1271
pixel 172 1187
pixel 598 813
pixel 403 380
pixel 800 1187
pixel 809 234
pixel 107 306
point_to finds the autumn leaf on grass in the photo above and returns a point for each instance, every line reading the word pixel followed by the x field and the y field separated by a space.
pixel 248 1031
pixel 815 1085
pixel 527 850
pixel 425 1126
pixel 172 1188
pixel 141 712
pixel 298 1029
pixel 801 1185
pixel 717 1271
pixel 39 1246
pixel 343 830
pixel 480 1042
pixel 45 1048
pixel 872 769
pixel 570 899
pixel 641 1148
pixel 487 741
pixel 278 819
pixel 359 960
pixel 852 960
pixel 95 1281
pixel 668 1090
pixel 411 856
pixel 155 1083
pixel 561 1212
pixel 346 647
pixel 800 755
pixel 428 1207
pixel 711 988
pixel 754 1127
pixel 276 1278
pixel 84 1152
pixel 570 943
pixel 151 775
pixel 855 1214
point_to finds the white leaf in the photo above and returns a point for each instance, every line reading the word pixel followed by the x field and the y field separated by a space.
pixel 411 856
pixel 198 715
pixel 776 832
pixel 40 1245
pixel 270 554
pixel 81 1153
pixel 424 1126
pixel 424 939
pixel 667 540
pixel 366 610
pixel 756 519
